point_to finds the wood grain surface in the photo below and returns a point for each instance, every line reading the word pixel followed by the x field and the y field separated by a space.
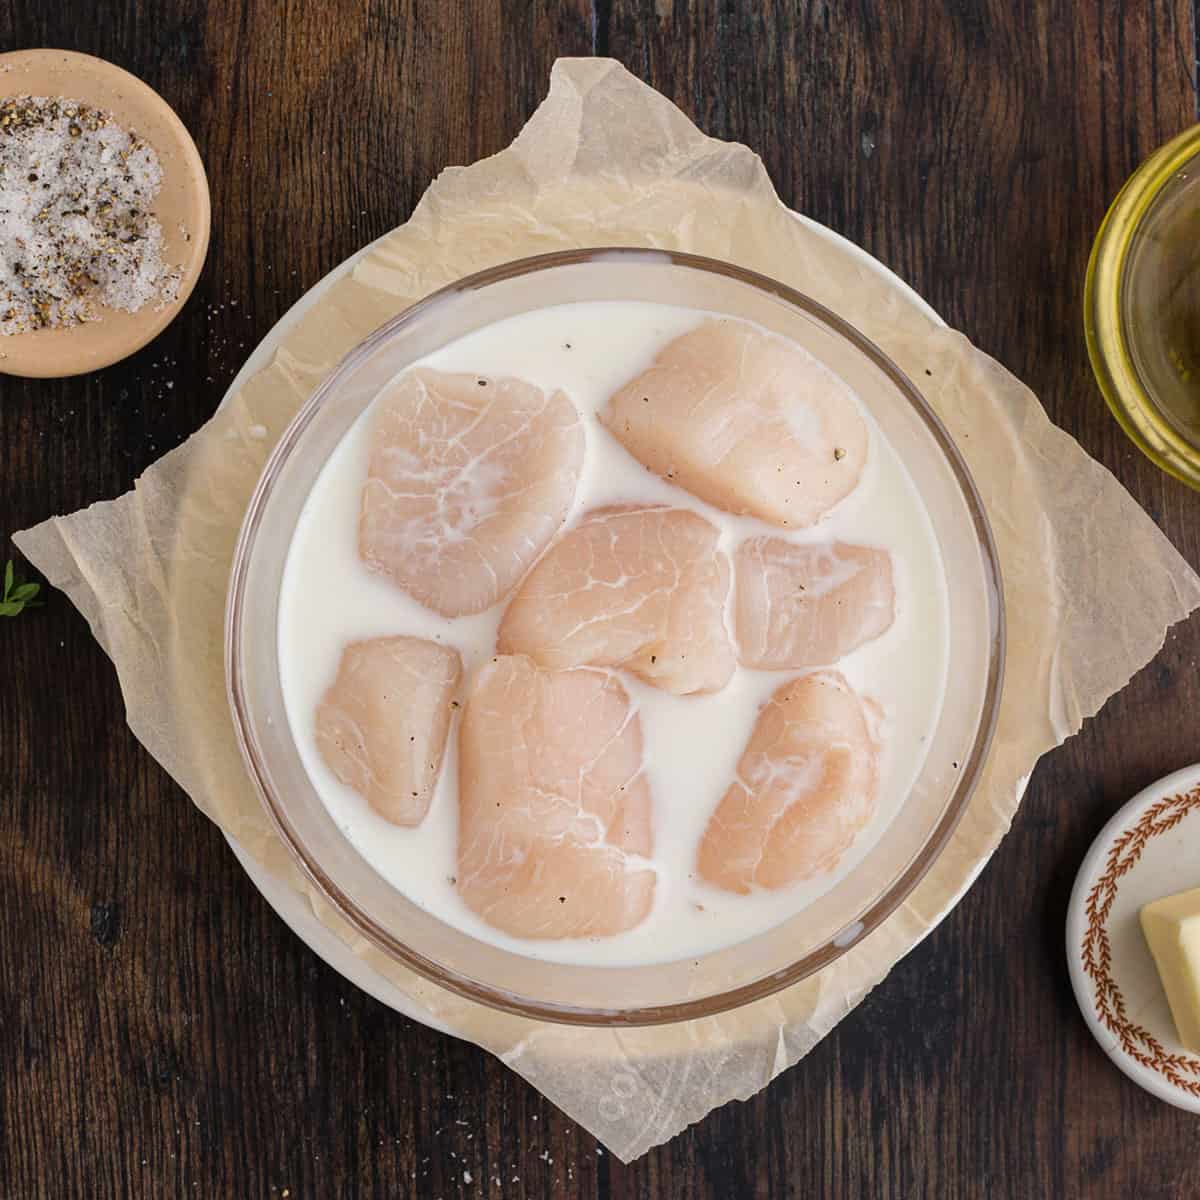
pixel 162 1033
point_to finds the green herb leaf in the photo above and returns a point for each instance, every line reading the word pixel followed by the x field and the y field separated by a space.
pixel 17 596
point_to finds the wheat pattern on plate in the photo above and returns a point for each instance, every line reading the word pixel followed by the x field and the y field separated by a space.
pixel 1181 1070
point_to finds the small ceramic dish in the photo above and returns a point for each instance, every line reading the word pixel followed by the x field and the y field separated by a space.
pixel 1147 851
pixel 1142 307
pixel 181 207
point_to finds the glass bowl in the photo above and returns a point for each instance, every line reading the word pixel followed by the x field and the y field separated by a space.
pixel 671 991
pixel 1142 307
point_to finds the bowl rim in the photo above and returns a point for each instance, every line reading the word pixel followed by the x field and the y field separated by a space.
pixel 879 910
pixel 1146 425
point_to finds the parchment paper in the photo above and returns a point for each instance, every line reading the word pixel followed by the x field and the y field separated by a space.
pixel 1092 585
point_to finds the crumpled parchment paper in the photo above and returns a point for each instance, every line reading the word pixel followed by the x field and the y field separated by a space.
pixel 1092 585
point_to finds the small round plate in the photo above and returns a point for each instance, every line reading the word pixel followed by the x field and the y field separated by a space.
pixel 1150 849
pixel 181 207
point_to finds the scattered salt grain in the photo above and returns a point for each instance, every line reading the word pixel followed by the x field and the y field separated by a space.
pixel 75 224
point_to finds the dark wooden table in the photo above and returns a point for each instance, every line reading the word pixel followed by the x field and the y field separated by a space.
pixel 162 1033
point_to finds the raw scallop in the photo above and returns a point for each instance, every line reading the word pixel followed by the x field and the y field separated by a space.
pixel 807 606
pixel 381 727
pixel 469 479
pixel 554 813
pixel 642 588
pixel 745 420
pixel 806 786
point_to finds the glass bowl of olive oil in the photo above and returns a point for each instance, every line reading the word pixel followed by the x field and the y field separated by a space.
pixel 1142 307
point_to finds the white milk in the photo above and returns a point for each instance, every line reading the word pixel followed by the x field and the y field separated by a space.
pixel 692 743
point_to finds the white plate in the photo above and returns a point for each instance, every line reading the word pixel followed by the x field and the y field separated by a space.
pixel 291 907
pixel 1150 849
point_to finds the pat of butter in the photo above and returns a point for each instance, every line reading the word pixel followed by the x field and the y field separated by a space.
pixel 1172 928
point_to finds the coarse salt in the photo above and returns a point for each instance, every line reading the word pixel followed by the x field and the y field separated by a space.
pixel 76 230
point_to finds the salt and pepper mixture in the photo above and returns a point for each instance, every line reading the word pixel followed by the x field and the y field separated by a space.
pixel 76 230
